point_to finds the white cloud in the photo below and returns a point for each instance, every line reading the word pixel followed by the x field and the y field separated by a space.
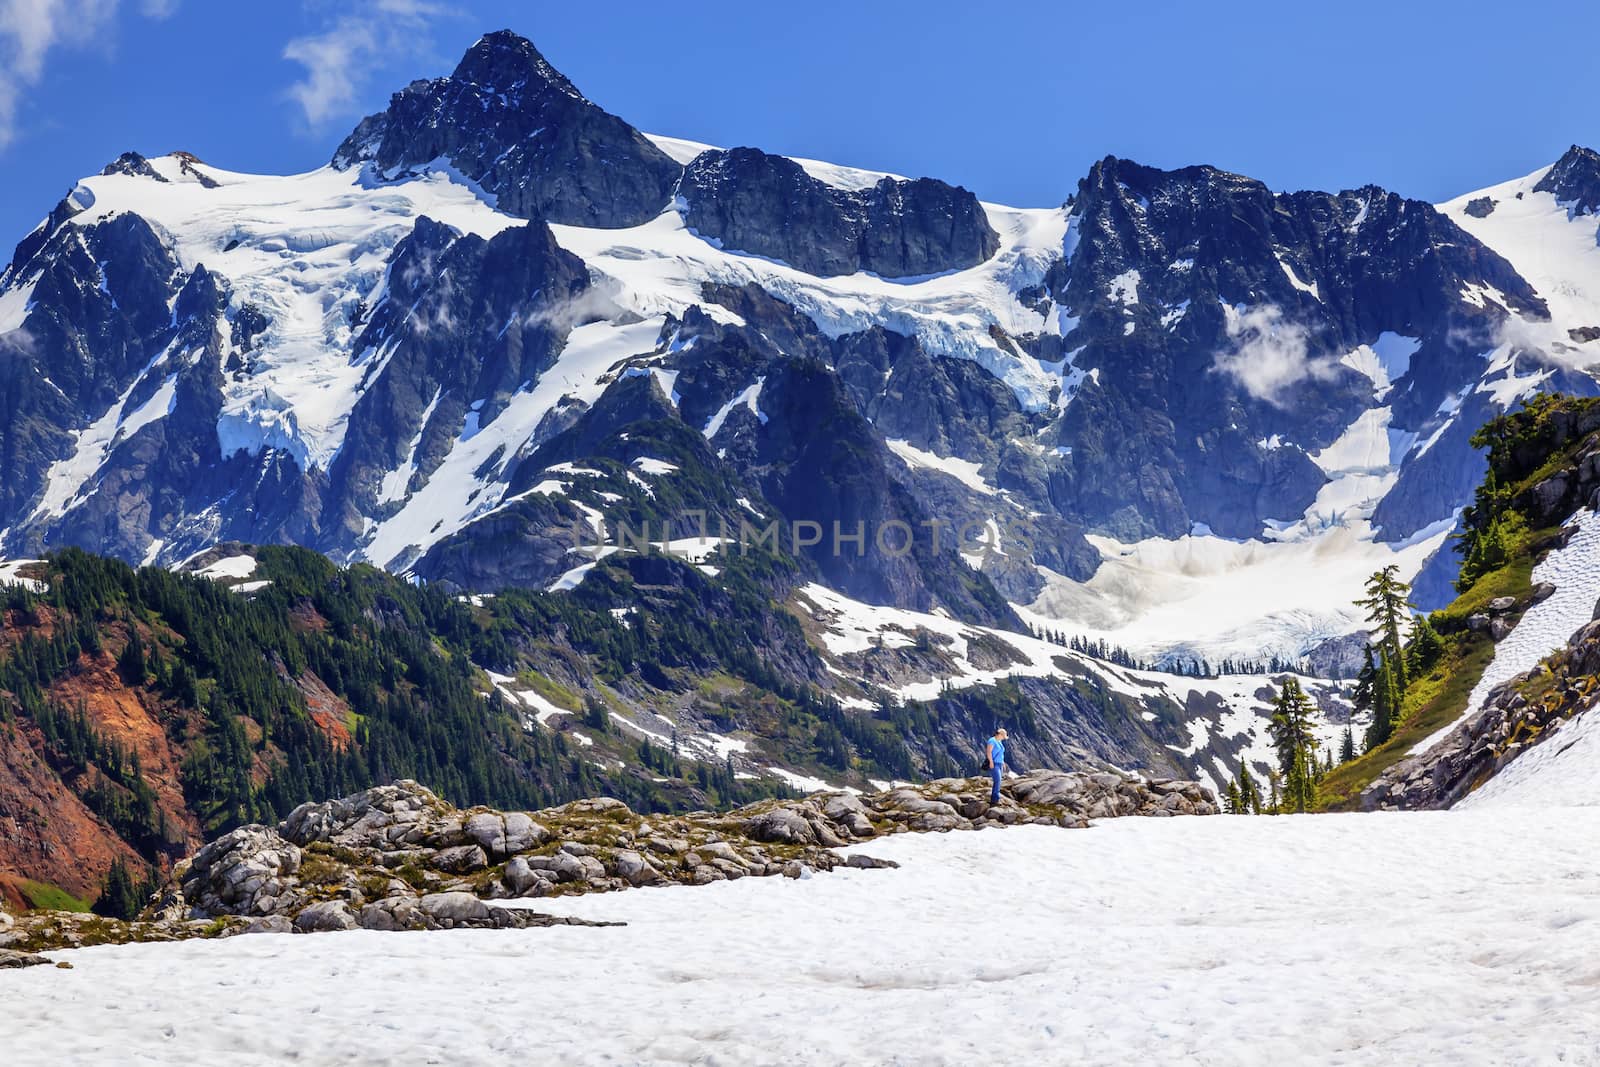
pixel 1270 355
pixel 31 29
pixel 337 59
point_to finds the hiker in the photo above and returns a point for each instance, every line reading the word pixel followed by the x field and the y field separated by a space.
pixel 995 751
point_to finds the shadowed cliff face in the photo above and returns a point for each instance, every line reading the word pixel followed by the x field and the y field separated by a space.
pixel 768 205
pixel 1217 320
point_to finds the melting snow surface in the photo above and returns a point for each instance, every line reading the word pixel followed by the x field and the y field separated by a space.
pixel 1351 939
pixel 10 575
pixel 229 567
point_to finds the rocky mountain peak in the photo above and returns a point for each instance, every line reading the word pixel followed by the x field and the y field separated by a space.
pixel 507 63
pixel 1575 180
pixel 509 121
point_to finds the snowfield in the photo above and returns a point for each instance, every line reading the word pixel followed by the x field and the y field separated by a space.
pixel 1349 939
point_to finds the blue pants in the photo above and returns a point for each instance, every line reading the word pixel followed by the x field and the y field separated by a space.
pixel 994 776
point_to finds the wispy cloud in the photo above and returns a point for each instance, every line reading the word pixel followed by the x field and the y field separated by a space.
pixel 337 59
pixel 29 31
pixel 1270 355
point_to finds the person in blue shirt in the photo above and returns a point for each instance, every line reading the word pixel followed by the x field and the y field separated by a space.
pixel 995 751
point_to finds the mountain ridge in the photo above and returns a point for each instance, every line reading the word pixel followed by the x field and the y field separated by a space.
pixel 1312 366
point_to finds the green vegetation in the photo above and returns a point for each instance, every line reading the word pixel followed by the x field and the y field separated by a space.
pixel 1503 538
pixel 1381 687
pixel 125 891
pixel 223 670
pixel 1296 746
pixel 42 896
pixel 1293 786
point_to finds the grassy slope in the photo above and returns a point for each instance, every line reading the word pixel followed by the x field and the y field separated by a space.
pixel 1440 696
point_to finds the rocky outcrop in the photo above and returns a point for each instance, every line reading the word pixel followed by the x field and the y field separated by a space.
pixel 753 201
pixel 509 121
pixel 1575 181
pixel 1517 715
pixel 389 858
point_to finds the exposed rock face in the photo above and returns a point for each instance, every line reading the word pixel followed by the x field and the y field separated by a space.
pixel 755 202
pixel 248 871
pixel 509 302
pixel 1575 180
pixel 514 124
pixel 1338 657
pixel 100 325
pixel 1165 435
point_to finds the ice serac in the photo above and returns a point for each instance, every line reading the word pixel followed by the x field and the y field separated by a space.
pixel 512 123
pixel 771 206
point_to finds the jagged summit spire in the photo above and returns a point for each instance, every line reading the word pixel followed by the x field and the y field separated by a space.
pixel 507 62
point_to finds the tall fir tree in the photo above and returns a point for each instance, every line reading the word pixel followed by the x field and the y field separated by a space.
pixel 1386 703
pixel 1291 730
pixel 1249 791
pixel 1388 606
pixel 1296 745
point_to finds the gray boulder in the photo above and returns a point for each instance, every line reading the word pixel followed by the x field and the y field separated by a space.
pixel 325 916
pixel 463 859
pixel 454 908
pixel 394 913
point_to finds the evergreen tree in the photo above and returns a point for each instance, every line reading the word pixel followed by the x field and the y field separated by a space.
pixel 1388 606
pixel 1386 703
pixel 1366 682
pixel 131 663
pixel 1232 803
pixel 1295 743
pixel 1290 729
pixel 122 896
pixel 1425 646
pixel 1249 791
pixel 1347 745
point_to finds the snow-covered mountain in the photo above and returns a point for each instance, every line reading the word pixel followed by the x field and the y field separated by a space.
pixel 1178 412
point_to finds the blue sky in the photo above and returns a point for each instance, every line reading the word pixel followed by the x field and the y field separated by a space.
pixel 1012 100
